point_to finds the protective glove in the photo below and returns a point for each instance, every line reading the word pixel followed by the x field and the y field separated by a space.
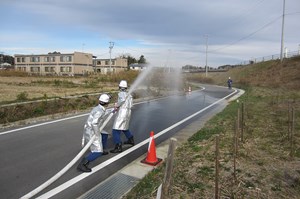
pixel 115 110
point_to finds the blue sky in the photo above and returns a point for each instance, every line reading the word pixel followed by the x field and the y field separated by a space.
pixel 166 32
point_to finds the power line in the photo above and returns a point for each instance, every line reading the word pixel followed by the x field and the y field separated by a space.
pixel 243 38
pixel 241 17
pixel 247 12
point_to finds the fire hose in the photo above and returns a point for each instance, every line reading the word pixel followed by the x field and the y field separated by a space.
pixel 68 166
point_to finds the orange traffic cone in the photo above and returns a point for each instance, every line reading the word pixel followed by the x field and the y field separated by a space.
pixel 151 158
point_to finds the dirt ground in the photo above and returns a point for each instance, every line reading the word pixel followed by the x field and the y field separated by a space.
pixel 38 87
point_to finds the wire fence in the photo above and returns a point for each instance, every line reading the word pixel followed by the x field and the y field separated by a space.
pixel 271 57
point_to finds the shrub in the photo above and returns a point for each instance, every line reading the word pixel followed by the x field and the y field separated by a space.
pixel 23 96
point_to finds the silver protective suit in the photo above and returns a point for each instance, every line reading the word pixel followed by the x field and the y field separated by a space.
pixel 92 127
pixel 123 115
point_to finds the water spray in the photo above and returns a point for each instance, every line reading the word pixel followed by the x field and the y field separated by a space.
pixel 139 79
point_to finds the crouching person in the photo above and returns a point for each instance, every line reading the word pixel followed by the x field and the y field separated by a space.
pixel 92 127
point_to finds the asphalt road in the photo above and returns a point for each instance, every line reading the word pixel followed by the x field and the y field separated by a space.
pixel 32 154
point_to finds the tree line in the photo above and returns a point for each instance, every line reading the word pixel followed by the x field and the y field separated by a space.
pixel 6 59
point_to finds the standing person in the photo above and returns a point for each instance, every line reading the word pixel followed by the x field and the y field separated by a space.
pixel 229 82
pixel 92 127
pixel 121 123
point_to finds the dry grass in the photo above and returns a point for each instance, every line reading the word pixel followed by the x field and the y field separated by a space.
pixel 12 83
pixel 38 87
pixel 10 93
pixel 272 74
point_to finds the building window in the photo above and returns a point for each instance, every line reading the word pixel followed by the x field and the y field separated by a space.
pixel 34 69
pixel 20 59
pixel 34 59
pixel 113 62
pixel 65 58
pixel 98 62
pixel 49 69
pixel 106 62
pixel 46 59
pixel 21 69
pixel 65 69
pixel 52 59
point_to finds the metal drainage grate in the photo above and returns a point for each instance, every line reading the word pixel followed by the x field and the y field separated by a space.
pixel 112 188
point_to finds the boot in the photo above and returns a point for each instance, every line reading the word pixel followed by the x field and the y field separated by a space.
pixel 105 153
pixel 117 149
pixel 83 166
pixel 130 141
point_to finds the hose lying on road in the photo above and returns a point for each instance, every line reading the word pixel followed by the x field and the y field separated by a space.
pixel 68 166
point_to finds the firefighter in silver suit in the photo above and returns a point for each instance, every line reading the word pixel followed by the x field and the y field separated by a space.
pixel 122 119
pixel 92 127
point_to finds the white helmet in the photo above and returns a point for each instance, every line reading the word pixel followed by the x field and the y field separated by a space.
pixel 123 84
pixel 104 98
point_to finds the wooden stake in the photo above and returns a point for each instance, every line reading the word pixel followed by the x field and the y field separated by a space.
pixel 292 133
pixel 289 120
pixel 217 169
pixel 235 151
pixel 242 123
pixel 169 167
pixel 238 123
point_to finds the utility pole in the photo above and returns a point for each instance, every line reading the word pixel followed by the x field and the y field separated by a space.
pixel 206 38
pixel 282 32
pixel 111 45
pixel 169 60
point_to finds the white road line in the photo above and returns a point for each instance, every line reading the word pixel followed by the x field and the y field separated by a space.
pixel 42 124
pixel 80 177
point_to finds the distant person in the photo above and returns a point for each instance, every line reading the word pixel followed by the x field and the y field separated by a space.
pixel 121 123
pixel 91 128
pixel 229 82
